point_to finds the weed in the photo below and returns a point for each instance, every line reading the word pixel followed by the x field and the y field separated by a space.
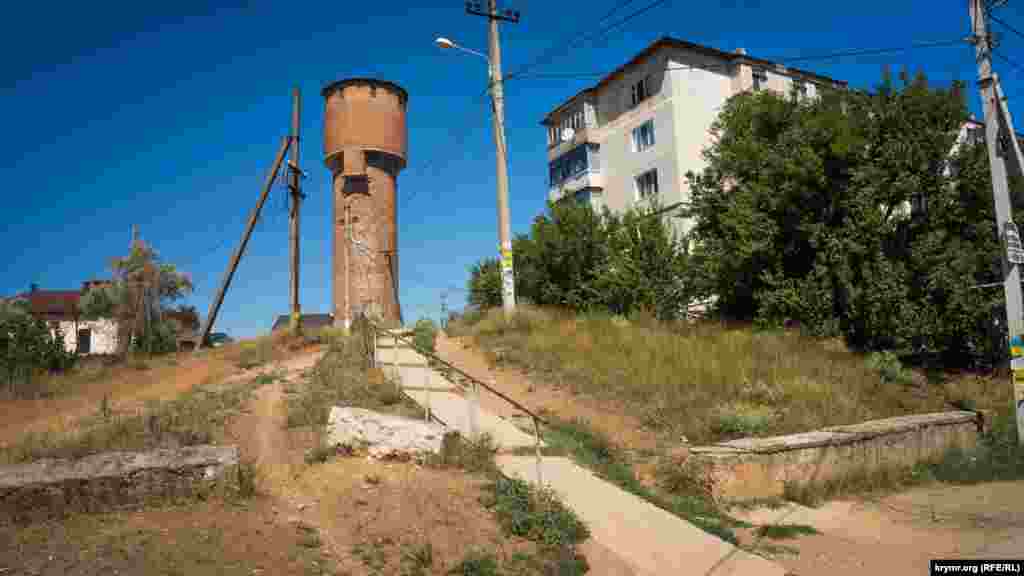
pixel 418 560
pixel 341 378
pixel 594 451
pixel 193 418
pixel 706 381
pixel 533 513
pixel 784 531
pixel 322 453
pixel 477 563
pixel 467 454
pixel 245 477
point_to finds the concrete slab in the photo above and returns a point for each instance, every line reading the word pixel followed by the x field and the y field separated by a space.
pixel 403 356
pixel 453 411
pixel 413 377
pixel 642 534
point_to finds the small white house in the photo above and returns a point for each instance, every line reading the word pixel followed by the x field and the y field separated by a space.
pixel 61 308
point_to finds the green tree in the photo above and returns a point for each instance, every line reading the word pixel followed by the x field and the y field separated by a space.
pixel 484 284
pixel 142 289
pixel 28 347
pixel 802 213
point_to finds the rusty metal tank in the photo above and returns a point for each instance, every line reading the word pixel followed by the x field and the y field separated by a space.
pixel 365 142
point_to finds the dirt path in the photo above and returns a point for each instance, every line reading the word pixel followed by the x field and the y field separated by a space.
pixel 899 533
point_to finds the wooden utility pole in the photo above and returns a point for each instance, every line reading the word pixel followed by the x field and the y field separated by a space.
pixel 493 15
pixel 295 186
pixel 211 316
pixel 1001 141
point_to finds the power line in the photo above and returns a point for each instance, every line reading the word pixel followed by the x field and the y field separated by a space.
pixel 1007 26
pixel 547 57
pixel 462 134
pixel 1012 63
pixel 828 56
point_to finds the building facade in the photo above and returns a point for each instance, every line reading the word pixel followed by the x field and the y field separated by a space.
pixel 60 308
pixel 630 139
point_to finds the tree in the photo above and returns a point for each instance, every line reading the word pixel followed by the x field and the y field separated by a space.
pixel 143 287
pixel 802 213
pixel 27 346
pixel 485 284
pixel 580 259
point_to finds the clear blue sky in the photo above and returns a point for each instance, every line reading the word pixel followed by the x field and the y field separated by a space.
pixel 168 114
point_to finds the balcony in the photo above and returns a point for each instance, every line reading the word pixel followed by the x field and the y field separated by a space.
pixel 586 134
pixel 573 184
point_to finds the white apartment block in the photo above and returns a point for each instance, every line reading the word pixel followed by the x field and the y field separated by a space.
pixel 634 135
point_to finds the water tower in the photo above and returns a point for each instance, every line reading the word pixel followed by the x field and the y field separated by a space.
pixel 365 148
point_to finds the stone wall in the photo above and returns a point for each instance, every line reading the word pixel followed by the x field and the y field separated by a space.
pixel 761 467
pixel 103 335
pixel 51 488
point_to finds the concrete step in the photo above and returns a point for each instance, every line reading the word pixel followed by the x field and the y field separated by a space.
pixel 453 411
pixel 423 377
pixel 647 537
pixel 403 356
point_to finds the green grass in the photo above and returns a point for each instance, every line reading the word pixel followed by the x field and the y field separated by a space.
pixel 784 531
pixel 595 452
pixel 706 381
pixel 195 417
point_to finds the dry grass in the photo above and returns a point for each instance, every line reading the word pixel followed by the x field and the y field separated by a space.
pixel 704 381
pixel 198 416
pixel 202 538
pixel 341 378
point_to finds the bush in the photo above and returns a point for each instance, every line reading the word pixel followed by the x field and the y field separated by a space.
pixel 28 348
pixel 425 334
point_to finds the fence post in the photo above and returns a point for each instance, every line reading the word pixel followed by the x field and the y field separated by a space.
pixel 426 385
pixel 474 409
pixel 396 374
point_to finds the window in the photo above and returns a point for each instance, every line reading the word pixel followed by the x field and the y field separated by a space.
pixel 569 165
pixel 801 88
pixel 647 185
pixel 640 91
pixel 643 136
pixel 760 79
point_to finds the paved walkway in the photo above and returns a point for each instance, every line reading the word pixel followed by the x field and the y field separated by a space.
pixel 651 541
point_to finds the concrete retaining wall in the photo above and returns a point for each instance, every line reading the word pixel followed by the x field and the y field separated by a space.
pixel 51 488
pixel 761 467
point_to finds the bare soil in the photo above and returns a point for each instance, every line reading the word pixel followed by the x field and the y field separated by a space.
pixel 899 533
pixel 894 534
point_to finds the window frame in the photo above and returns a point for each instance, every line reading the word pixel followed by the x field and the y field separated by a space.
pixel 637 133
pixel 760 76
pixel 647 179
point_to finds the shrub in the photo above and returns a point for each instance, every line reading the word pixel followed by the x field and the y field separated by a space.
pixel 425 334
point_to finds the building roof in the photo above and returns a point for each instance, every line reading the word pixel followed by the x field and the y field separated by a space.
pixel 52 302
pixel 340 84
pixel 669 42
pixel 310 321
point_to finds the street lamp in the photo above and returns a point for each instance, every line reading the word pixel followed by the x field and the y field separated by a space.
pixel 446 44
pixel 508 292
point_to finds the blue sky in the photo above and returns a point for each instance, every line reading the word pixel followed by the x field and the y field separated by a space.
pixel 168 115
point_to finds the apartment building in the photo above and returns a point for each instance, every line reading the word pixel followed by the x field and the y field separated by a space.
pixel 633 136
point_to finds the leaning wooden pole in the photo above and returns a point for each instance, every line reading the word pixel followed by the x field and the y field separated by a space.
pixel 211 316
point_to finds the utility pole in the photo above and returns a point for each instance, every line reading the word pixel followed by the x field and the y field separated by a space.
pixel 1001 142
pixel 508 294
pixel 295 186
pixel 444 309
pixel 211 315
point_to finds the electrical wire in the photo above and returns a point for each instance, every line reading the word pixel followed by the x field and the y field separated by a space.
pixel 540 60
pixel 1013 64
pixel 1007 26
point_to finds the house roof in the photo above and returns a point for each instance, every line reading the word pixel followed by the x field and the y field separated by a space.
pixel 311 321
pixel 669 42
pixel 52 302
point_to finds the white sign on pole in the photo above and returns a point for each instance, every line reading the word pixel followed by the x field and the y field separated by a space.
pixel 1014 249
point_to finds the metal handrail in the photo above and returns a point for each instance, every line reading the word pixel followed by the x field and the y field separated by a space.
pixel 460 371
pixel 537 420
